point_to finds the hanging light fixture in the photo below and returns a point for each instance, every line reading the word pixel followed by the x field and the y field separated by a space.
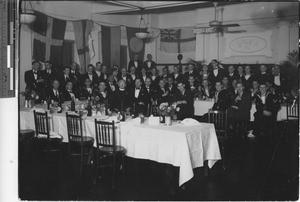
pixel 27 17
pixel 142 34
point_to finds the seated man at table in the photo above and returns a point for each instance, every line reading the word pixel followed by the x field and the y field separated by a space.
pixel 121 100
pixel 162 93
pixel 185 102
pixel 206 89
pixel 138 96
pixel 240 105
pixel 69 93
pixel 267 107
pixel 55 94
pixel 102 95
pixel 221 98
pixel 86 90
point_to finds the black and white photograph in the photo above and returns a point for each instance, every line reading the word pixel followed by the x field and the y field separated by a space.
pixel 149 100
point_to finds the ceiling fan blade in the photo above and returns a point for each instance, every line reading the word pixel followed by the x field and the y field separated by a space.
pixel 229 25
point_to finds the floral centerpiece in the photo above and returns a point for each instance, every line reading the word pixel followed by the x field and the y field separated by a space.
pixel 30 97
pixel 165 109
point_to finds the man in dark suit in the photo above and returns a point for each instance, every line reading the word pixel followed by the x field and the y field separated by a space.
pixel 191 71
pixel 149 63
pixel 126 77
pixel 55 94
pixel 279 80
pixel 185 102
pixel 87 90
pixel 65 78
pixel 171 87
pixel 162 92
pixel 75 74
pixel 221 98
pixel 69 93
pixel 49 75
pixel 231 73
pixel 138 97
pixel 90 75
pixel 121 99
pixel 98 71
pixel 217 73
pixel 154 77
pixel 34 78
pixel 177 76
pixel 143 75
pixel 240 105
pixel 104 74
pixel 135 63
pixel 150 93
pixel 263 76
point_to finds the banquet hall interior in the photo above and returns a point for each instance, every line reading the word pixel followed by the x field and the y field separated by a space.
pixel 158 100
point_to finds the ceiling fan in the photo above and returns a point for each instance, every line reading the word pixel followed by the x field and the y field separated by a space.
pixel 216 26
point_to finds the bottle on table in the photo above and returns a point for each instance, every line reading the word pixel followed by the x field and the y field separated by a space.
pixel 72 105
pixel 89 109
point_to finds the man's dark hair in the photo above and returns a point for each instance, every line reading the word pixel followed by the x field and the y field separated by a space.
pixel 35 61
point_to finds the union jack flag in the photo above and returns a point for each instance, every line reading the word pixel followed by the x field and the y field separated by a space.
pixel 170 35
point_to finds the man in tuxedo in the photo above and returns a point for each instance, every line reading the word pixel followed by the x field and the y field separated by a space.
pixel 154 77
pixel 55 94
pixel 132 73
pixel 185 102
pixel 149 63
pixel 143 75
pixel 111 83
pixel 135 63
pixel 150 93
pixel 66 77
pixel 49 75
pixel 90 75
pixel 217 73
pixel 69 93
pixel 138 96
pixel 121 99
pixel 34 78
pixel 177 77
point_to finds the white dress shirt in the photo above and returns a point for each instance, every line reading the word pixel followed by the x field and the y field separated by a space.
pixel 216 71
pixel 277 80
pixel 137 92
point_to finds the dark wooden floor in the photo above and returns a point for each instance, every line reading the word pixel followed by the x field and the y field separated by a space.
pixel 250 175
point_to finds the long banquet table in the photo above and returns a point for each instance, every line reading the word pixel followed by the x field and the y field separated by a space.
pixel 202 107
pixel 185 146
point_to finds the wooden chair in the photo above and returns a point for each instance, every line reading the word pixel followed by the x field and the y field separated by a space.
pixel 106 146
pixel 292 111
pixel 219 119
pixel 50 141
pixel 77 140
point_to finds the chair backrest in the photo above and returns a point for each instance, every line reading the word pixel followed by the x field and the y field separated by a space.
pixel 41 123
pixel 74 126
pixel 292 111
pixel 219 119
pixel 105 133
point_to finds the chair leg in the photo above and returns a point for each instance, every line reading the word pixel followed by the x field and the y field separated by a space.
pixel 123 168
pixel 68 157
pixel 114 171
pixel 81 160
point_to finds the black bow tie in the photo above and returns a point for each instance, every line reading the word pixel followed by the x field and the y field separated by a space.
pixel 35 72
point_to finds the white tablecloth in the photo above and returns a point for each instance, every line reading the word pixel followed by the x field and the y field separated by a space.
pixel 202 107
pixel 184 146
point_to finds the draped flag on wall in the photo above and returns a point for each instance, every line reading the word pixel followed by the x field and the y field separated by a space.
pixel 111 45
pixel 48 40
pixel 177 40
pixel 135 45
pixel 82 30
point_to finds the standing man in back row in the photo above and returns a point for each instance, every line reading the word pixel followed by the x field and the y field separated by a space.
pixel 149 63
